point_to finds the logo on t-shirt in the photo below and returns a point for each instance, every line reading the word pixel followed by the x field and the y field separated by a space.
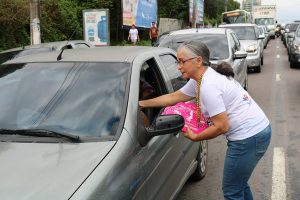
pixel 247 98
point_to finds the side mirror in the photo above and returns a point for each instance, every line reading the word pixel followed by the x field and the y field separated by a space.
pixel 261 37
pixel 163 125
pixel 240 54
pixel 166 124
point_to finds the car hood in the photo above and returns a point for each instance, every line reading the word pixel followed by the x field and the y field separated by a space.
pixel 47 170
pixel 246 43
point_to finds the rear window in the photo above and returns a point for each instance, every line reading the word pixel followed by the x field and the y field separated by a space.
pixel 217 43
pixel 84 99
pixel 244 33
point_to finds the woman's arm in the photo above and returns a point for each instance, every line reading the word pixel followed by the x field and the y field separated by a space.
pixel 220 126
pixel 165 100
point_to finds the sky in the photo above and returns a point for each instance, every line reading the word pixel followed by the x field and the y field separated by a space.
pixel 287 10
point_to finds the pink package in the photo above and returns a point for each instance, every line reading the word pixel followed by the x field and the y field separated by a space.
pixel 188 110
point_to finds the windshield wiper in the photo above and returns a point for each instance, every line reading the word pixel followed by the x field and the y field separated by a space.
pixel 39 133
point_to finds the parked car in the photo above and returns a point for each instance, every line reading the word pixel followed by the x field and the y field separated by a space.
pixel 43 47
pixel 252 42
pixel 223 46
pixel 290 34
pixel 294 52
pixel 72 128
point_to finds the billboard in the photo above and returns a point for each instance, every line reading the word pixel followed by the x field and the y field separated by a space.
pixel 95 26
pixel 196 11
pixel 139 12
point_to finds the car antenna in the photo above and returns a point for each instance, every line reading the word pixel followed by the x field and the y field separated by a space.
pixel 60 54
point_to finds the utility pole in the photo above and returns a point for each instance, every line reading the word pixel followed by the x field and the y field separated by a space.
pixel 35 31
pixel 225 5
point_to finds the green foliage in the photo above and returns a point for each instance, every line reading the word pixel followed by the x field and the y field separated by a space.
pixel 59 18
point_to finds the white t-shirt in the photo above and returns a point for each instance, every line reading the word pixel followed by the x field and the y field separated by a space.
pixel 219 94
pixel 133 34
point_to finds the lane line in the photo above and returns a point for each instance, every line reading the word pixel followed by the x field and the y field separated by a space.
pixel 278 56
pixel 278 176
pixel 278 77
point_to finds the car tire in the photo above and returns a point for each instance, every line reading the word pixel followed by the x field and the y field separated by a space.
pixel 292 64
pixel 262 61
pixel 201 169
pixel 258 69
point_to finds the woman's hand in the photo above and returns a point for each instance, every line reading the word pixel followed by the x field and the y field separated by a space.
pixel 190 134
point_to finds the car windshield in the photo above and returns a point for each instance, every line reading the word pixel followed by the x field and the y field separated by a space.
pixel 217 44
pixel 264 21
pixel 83 99
pixel 244 33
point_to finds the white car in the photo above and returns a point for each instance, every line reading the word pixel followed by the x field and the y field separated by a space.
pixel 222 43
pixel 252 42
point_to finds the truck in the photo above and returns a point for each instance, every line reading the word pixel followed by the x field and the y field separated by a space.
pixel 265 15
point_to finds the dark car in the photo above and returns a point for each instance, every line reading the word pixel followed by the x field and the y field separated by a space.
pixel 290 34
pixel 294 49
pixel 72 128
pixel 44 47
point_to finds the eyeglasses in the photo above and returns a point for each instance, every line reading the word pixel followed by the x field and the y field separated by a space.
pixel 181 62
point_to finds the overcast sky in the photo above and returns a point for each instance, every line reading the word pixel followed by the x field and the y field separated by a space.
pixel 287 10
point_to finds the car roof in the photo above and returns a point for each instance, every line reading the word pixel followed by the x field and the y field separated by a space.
pixel 54 45
pixel 97 54
pixel 237 24
pixel 199 30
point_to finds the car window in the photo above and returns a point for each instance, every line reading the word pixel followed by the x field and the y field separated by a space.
pixel 232 44
pixel 85 99
pixel 152 84
pixel 170 64
pixel 297 34
pixel 244 33
pixel 236 40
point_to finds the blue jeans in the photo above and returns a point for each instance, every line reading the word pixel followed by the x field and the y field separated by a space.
pixel 240 161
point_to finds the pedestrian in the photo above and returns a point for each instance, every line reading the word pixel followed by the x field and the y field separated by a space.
pixel 133 35
pixel 153 33
pixel 230 111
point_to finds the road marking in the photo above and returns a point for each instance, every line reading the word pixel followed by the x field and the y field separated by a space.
pixel 278 176
pixel 278 77
pixel 277 47
pixel 278 56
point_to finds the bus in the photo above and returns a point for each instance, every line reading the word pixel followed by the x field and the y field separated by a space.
pixel 237 16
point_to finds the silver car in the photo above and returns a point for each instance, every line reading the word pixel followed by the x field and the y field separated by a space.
pixel 43 47
pixel 251 41
pixel 222 43
pixel 72 129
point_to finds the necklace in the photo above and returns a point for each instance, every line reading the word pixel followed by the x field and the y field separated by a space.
pixel 198 98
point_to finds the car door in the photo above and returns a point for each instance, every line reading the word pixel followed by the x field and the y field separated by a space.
pixel 162 155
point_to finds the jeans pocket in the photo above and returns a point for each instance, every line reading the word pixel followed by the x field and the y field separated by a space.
pixel 262 140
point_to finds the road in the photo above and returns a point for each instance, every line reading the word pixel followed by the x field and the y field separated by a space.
pixel 277 177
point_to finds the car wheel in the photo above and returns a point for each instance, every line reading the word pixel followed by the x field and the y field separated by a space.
pixel 262 60
pixel 292 64
pixel 258 69
pixel 202 162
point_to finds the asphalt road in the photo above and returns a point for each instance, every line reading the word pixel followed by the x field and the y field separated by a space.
pixel 277 176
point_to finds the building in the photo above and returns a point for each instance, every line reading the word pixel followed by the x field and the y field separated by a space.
pixel 247 4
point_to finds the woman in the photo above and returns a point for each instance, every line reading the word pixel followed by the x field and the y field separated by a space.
pixel 230 111
pixel 133 35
